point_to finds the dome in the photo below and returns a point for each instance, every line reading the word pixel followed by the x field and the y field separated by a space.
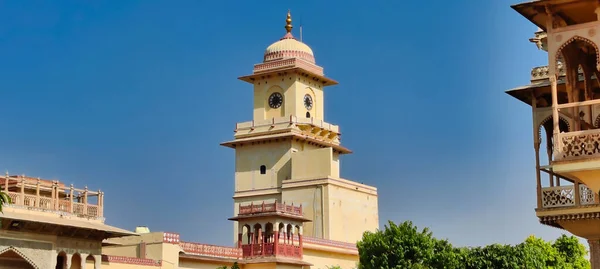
pixel 289 47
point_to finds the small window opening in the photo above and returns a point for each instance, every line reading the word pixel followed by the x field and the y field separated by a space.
pixel 308 114
pixel 263 169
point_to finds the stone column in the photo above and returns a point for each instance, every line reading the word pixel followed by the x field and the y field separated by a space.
pixel 68 259
pixel 594 253
pixel 53 261
pixel 97 261
pixel 83 258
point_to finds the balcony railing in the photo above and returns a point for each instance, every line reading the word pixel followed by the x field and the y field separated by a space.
pixel 268 249
pixel 270 208
pixel 564 196
pixel 286 121
pixel 51 196
pixel 578 145
pixel 582 139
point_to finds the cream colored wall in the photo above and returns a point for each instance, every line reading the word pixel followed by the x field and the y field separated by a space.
pixel 275 156
pixel 326 199
pixel 305 86
pixel 335 166
pixel 129 246
pixel 195 264
pixel 325 259
pixel 263 88
pixel 287 266
pixel 311 199
pixel 314 163
pixel 351 212
pixel 293 88
pixel 170 258
pixel 259 266
pixel 128 251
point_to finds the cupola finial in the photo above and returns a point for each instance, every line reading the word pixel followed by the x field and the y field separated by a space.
pixel 288 25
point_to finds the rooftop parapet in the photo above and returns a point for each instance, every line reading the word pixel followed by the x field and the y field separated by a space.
pixel 52 196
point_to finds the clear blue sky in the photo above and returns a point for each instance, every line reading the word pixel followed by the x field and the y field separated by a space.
pixel 134 97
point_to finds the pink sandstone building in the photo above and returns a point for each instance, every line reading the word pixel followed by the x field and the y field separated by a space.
pixel 291 207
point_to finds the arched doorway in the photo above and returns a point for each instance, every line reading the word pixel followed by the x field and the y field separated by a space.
pixel 76 261
pixel 12 259
pixel 90 262
pixel 61 260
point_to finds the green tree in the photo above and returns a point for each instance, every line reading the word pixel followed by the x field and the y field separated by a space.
pixel 572 251
pixel 404 246
pixel 4 199
pixel 234 266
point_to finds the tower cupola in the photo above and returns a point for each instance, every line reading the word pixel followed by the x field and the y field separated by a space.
pixel 289 47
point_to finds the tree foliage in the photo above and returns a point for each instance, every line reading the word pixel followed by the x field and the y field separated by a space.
pixel 234 266
pixel 4 199
pixel 404 246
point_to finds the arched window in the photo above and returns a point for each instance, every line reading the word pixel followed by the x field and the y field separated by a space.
pixel 263 169
pixel 308 114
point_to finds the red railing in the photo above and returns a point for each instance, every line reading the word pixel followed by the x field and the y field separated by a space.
pixel 210 250
pixel 289 251
pixel 268 249
pixel 270 208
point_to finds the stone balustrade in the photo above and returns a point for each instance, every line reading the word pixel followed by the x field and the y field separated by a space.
pixel 273 122
pixel 52 196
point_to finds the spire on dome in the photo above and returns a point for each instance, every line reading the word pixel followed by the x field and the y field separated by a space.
pixel 288 25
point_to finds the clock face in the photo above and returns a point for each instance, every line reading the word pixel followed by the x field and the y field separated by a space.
pixel 275 100
pixel 308 101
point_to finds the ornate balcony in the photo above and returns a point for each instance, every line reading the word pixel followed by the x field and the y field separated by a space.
pixel 579 145
pixel 566 196
pixel 52 196
pixel 270 208
pixel 269 243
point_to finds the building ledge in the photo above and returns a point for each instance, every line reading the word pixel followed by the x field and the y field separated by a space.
pixel 339 182
pixel 11 214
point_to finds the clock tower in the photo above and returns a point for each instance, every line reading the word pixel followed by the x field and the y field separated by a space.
pixel 289 154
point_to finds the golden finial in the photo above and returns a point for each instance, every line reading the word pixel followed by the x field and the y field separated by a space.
pixel 288 25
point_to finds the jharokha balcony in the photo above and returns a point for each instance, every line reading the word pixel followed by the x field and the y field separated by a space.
pixel 270 208
pixel 52 196
pixel 270 230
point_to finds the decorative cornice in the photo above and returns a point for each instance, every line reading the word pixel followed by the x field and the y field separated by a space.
pixel 550 220
pixel 283 62
pixel 287 54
